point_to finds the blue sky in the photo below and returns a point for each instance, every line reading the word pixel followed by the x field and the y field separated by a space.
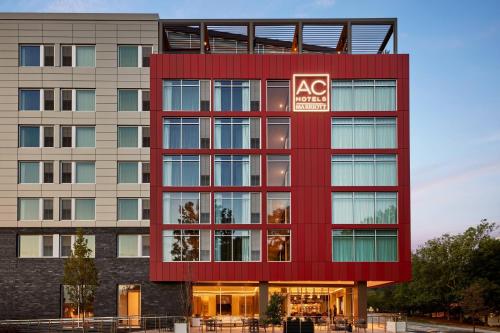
pixel 455 92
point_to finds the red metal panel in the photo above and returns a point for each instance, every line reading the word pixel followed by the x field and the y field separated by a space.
pixel 311 184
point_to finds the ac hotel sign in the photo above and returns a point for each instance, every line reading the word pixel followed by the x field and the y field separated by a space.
pixel 311 92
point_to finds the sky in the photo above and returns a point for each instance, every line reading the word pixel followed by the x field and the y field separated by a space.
pixel 454 49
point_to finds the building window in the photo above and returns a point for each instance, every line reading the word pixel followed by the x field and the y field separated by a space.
pixel 133 100
pixel 364 208
pixel 133 209
pixel 186 95
pixel 237 208
pixel 34 209
pixel 77 209
pixel 186 245
pixel 278 208
pixel 232 170
pixel 36 136
pixel 364 133
pixel 78 136
pixel 278 170
pixel 133 137
pixel 36 100
pixel 48 172
pixel 278 96
pixel 237 133
pixel 364 170
pixel 237 245
pixel 36 246
pixel 365 245
pixel 235 95
pixel 278 133
pixel 69 310
pixel 130 246
pixel 145 172
pixel 186 170
pixel 134 55
pixel 48 209
pixel 36 55
pixel 186 208
pixel 78 100
pixel 67 242
pixel 81 172
pixel 78 55
pixel 34 172
pixel 133 172
pixel 364 95
pixel 278 245
pixel 184 133
pixel 129 303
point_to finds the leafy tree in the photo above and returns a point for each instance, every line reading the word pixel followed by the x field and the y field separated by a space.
pixel 275 310
pixel 473 301
pixel 80 275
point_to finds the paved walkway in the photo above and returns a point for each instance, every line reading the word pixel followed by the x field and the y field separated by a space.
pixel 428 327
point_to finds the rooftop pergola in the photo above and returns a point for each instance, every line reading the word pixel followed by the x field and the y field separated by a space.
pixel 337 36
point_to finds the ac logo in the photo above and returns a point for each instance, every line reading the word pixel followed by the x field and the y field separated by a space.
pixel 311 92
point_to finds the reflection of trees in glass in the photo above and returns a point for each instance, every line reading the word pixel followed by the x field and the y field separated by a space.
pixel 279 215
pixel 186 246
pixel 189 213
pixel 277 248
pixel 226 216
pixel 387 215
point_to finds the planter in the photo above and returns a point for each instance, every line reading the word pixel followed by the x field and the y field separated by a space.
pixel 195 322
pixel 180 328
pixel 395 326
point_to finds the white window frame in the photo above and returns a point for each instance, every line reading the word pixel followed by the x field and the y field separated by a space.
pixel 73 99
pixel 356 158
pixel 139 136
pixel 232 166
pixel 232 241
pixel 42 53
pixel 231 85
pixel 73 55
pixel 139 171
pixel 164 218
pixel 180 159
pixel 40 171
pixel 288 197
pixel 73 171
pixel 181 85
pixel 231 125
pixel 55 246
pixel 199 250
pixel 267 245
pixel 181 124
pixel 40 209
pixel 375 254
pixel 353 201
pixel 139 54
pixel 73 136
pixel 288 179
pixel 41 102
pixel 232 198
pixel 73 208
pixel 139 246
pixel 288 141
pixel 139 99
pixel 373 121
pixel 140 214
pixel 73 240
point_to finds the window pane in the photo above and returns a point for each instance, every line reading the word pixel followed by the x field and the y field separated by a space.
pixel 29 136
pixel 48 55
pixel 278 96
pixel 146 53
pixel 342 98
pixel 65 207
pixel 128 209
pixel 47 246
pixel 66 53
pixel 386 208
pixel 385 98
pixel 364 135
pixel 342 249
pixel 278 133
pixel 278 208
pixel 29 172
pixel 66 245
pixel 85 100
pixel 386 173
pixel 128 137
pixel 342 208
pixel 181 208
pixel 278 245
pixel 363 98
pixel 30 55
pixel 341 173
pixel 29 209
pixel 29 246
pixel 128 56
pixel 385 136
pixel 128 172
pixel 364 208
pixel 84 209
pixel 128 100
pixel 145 246
pixel 278 170
pixel 85 56
pixel 364 248
pixel 387 248
pixel 363 173
pixel 48 99
pixel 91 244
pixel 85 172
pixel 85 137
pixel 29 100
pixel 128 245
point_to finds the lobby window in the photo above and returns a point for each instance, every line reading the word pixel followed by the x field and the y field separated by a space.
pixel 278 133
pixel 135 100
pixel 237 208
pixel 364 208
pixel 78 100
pixel 134 55
pixel 278 170
pixel 365 245
pixel 35 172
pixel 36 246
pixel 236 95
pixel 186 170
pixel 129 303
pixel 364 95
pixel 278 96
pixel 133 209
pixel 237 245
pixel 186 95
pixel 186 245
pixel 36 100
pixel 36 55
pixel 186 208
pixel 278 208
pixel 132 246
pixel 364 133
pixel 278 245
pixel 237 133
pixel 237 170
pixel 132 172
pixel 133 137
pixel 186 133
pixel 364 170
pixel 79 209
pixel 80 172
pixel 34 209
pixel 68 310
pixel 67 242
pixel 78 136
pixel 78 55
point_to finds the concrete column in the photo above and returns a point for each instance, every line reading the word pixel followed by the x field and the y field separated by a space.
pixel 359 300
pixel 263 298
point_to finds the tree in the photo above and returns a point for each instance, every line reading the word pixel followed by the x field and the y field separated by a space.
pixel 473 301
pixel 80 275
pixel 275 310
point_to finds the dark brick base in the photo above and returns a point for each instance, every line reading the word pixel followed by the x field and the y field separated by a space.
pixel 31 288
